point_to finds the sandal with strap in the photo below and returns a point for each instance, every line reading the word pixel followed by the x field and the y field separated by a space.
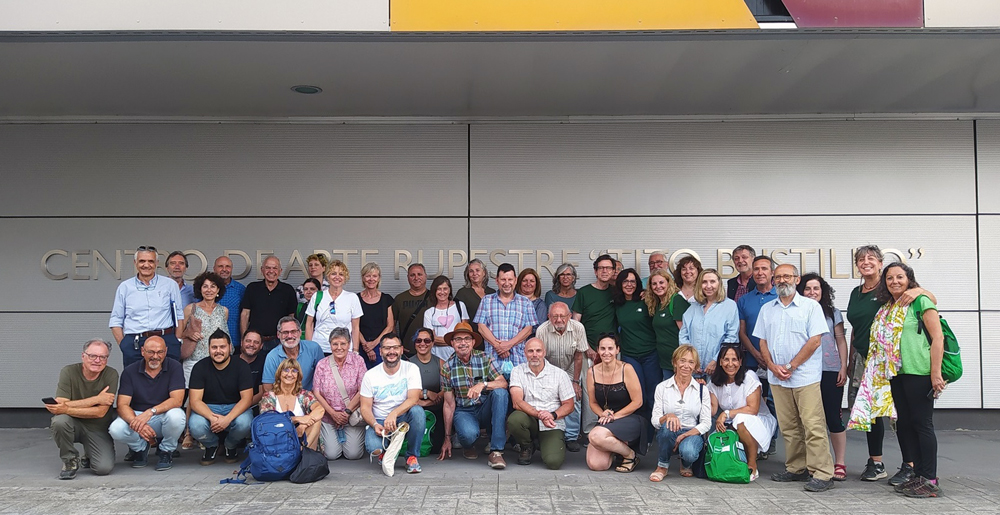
pixel 840 472
pixel 658 475
pixel 628 464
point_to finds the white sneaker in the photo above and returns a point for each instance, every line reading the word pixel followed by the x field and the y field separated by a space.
pixel 392 450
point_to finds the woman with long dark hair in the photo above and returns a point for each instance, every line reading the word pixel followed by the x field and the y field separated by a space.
pixel 833 345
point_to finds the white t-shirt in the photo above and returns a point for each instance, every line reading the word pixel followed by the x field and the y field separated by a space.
pixel 443 321
pixel 389 391
pixel 348 307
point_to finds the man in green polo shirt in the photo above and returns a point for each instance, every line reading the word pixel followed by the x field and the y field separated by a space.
pixel 594 308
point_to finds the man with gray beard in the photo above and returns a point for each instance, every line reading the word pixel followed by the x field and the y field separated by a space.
pixel 790 328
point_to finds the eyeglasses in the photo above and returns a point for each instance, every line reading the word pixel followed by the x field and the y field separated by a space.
pixel 95 357
pixel 288 333
pixel 392 347
pixel 155 352
pixel 424 340
pixel 145 248
pixel 629 281
pixel 605 268
pixel 463 339
pixel 289 371
pixel 785 277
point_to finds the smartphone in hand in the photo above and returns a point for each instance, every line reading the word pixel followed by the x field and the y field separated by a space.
pixel 49 400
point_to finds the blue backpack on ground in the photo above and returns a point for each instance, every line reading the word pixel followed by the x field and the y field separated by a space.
pixel 274 450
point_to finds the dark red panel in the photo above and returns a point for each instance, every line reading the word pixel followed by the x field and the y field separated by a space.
pixel 856 13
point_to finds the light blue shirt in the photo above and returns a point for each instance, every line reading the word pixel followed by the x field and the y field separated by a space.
pixel 187 295
pixel 708 331
pixel 749 306
pixel 140 307
pixel 786 329
pixel 309 355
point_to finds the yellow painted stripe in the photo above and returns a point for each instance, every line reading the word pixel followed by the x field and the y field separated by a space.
pixel 559 15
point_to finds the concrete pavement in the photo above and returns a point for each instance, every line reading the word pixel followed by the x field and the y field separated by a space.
pixel 969 466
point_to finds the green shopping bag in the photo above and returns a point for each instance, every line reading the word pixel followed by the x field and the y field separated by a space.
pixel 722 459
pixel 425 442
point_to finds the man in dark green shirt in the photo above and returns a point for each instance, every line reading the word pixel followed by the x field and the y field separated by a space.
pixel 82 411
pixel 594 304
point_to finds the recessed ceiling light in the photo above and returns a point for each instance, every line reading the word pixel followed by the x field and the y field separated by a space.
pixel 307 90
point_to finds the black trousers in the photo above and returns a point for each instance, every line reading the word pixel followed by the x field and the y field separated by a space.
pixel 915 425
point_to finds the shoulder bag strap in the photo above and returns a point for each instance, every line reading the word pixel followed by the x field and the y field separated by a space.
pixel 340 382
pixel 413 315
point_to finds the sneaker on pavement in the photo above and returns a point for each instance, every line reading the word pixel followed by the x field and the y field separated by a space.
pixel 166 461
pixel 209 457
pixel 84 462
pixel 496 460
pixel 874 471
pixel 412 465
pixel 140 458
pixel 129 456
pixel 818 485
pixel 904 474
pixel 922 488
pixel 788 477
pixel 69 468
pixel 396 440
pixel 232 455
pixel 470 453
pixel 906 484
pixel 524 456
pixel 175 454
pixel 573 446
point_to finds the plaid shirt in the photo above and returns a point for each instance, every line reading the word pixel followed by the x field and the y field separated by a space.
pixel 458 376
pixel 505 321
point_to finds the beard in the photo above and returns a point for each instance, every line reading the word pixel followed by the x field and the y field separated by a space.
pixel 786 290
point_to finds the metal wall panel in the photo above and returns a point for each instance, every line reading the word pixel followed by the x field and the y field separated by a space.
pixel 943 257
pixel 38 346
pixel 233 170
pixel 185 15
pixel 989 250
pixel 991 358
pixel 28 240
pixel 988 151
pixel 967 392
pixel 961 13
pixel 724 168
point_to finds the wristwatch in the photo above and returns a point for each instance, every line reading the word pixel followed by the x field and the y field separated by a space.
pixel 349 411
pixel 153 410
pixel 788 367
pixel 727 413
pixel 554 415
pixel 425 394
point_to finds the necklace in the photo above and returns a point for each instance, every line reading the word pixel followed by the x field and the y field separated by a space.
pixel 866 289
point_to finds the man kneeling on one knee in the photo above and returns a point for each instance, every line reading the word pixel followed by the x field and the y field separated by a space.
pixel 149 405
pixel 542 395
pixel 221 397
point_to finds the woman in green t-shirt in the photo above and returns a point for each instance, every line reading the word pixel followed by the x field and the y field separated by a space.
pixel 667 306
pixel 915 372
pixel 638 342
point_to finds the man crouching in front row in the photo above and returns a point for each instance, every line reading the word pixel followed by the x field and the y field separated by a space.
pixel 82 411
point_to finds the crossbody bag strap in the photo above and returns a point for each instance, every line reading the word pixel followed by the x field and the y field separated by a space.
pixel 413 315
pixel 340 382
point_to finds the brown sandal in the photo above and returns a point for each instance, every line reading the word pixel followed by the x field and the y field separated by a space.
pixel 686 472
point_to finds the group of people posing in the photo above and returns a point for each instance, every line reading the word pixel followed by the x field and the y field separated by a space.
pixel 611 365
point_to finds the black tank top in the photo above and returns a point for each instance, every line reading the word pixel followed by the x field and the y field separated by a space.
pixel 613 396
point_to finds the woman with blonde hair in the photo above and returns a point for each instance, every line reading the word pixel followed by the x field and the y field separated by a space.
pixel 667 306
pixel 376 318
pixel 711 321
pixel 288 395
pixel 335 308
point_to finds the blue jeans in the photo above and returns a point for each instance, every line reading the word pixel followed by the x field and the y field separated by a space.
pixel 648 369
pixel 667 374
pixel 169 426
pixel 493 411
pixel 573 422
pixel 689 449
pixel 417 419
pixel 239 428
